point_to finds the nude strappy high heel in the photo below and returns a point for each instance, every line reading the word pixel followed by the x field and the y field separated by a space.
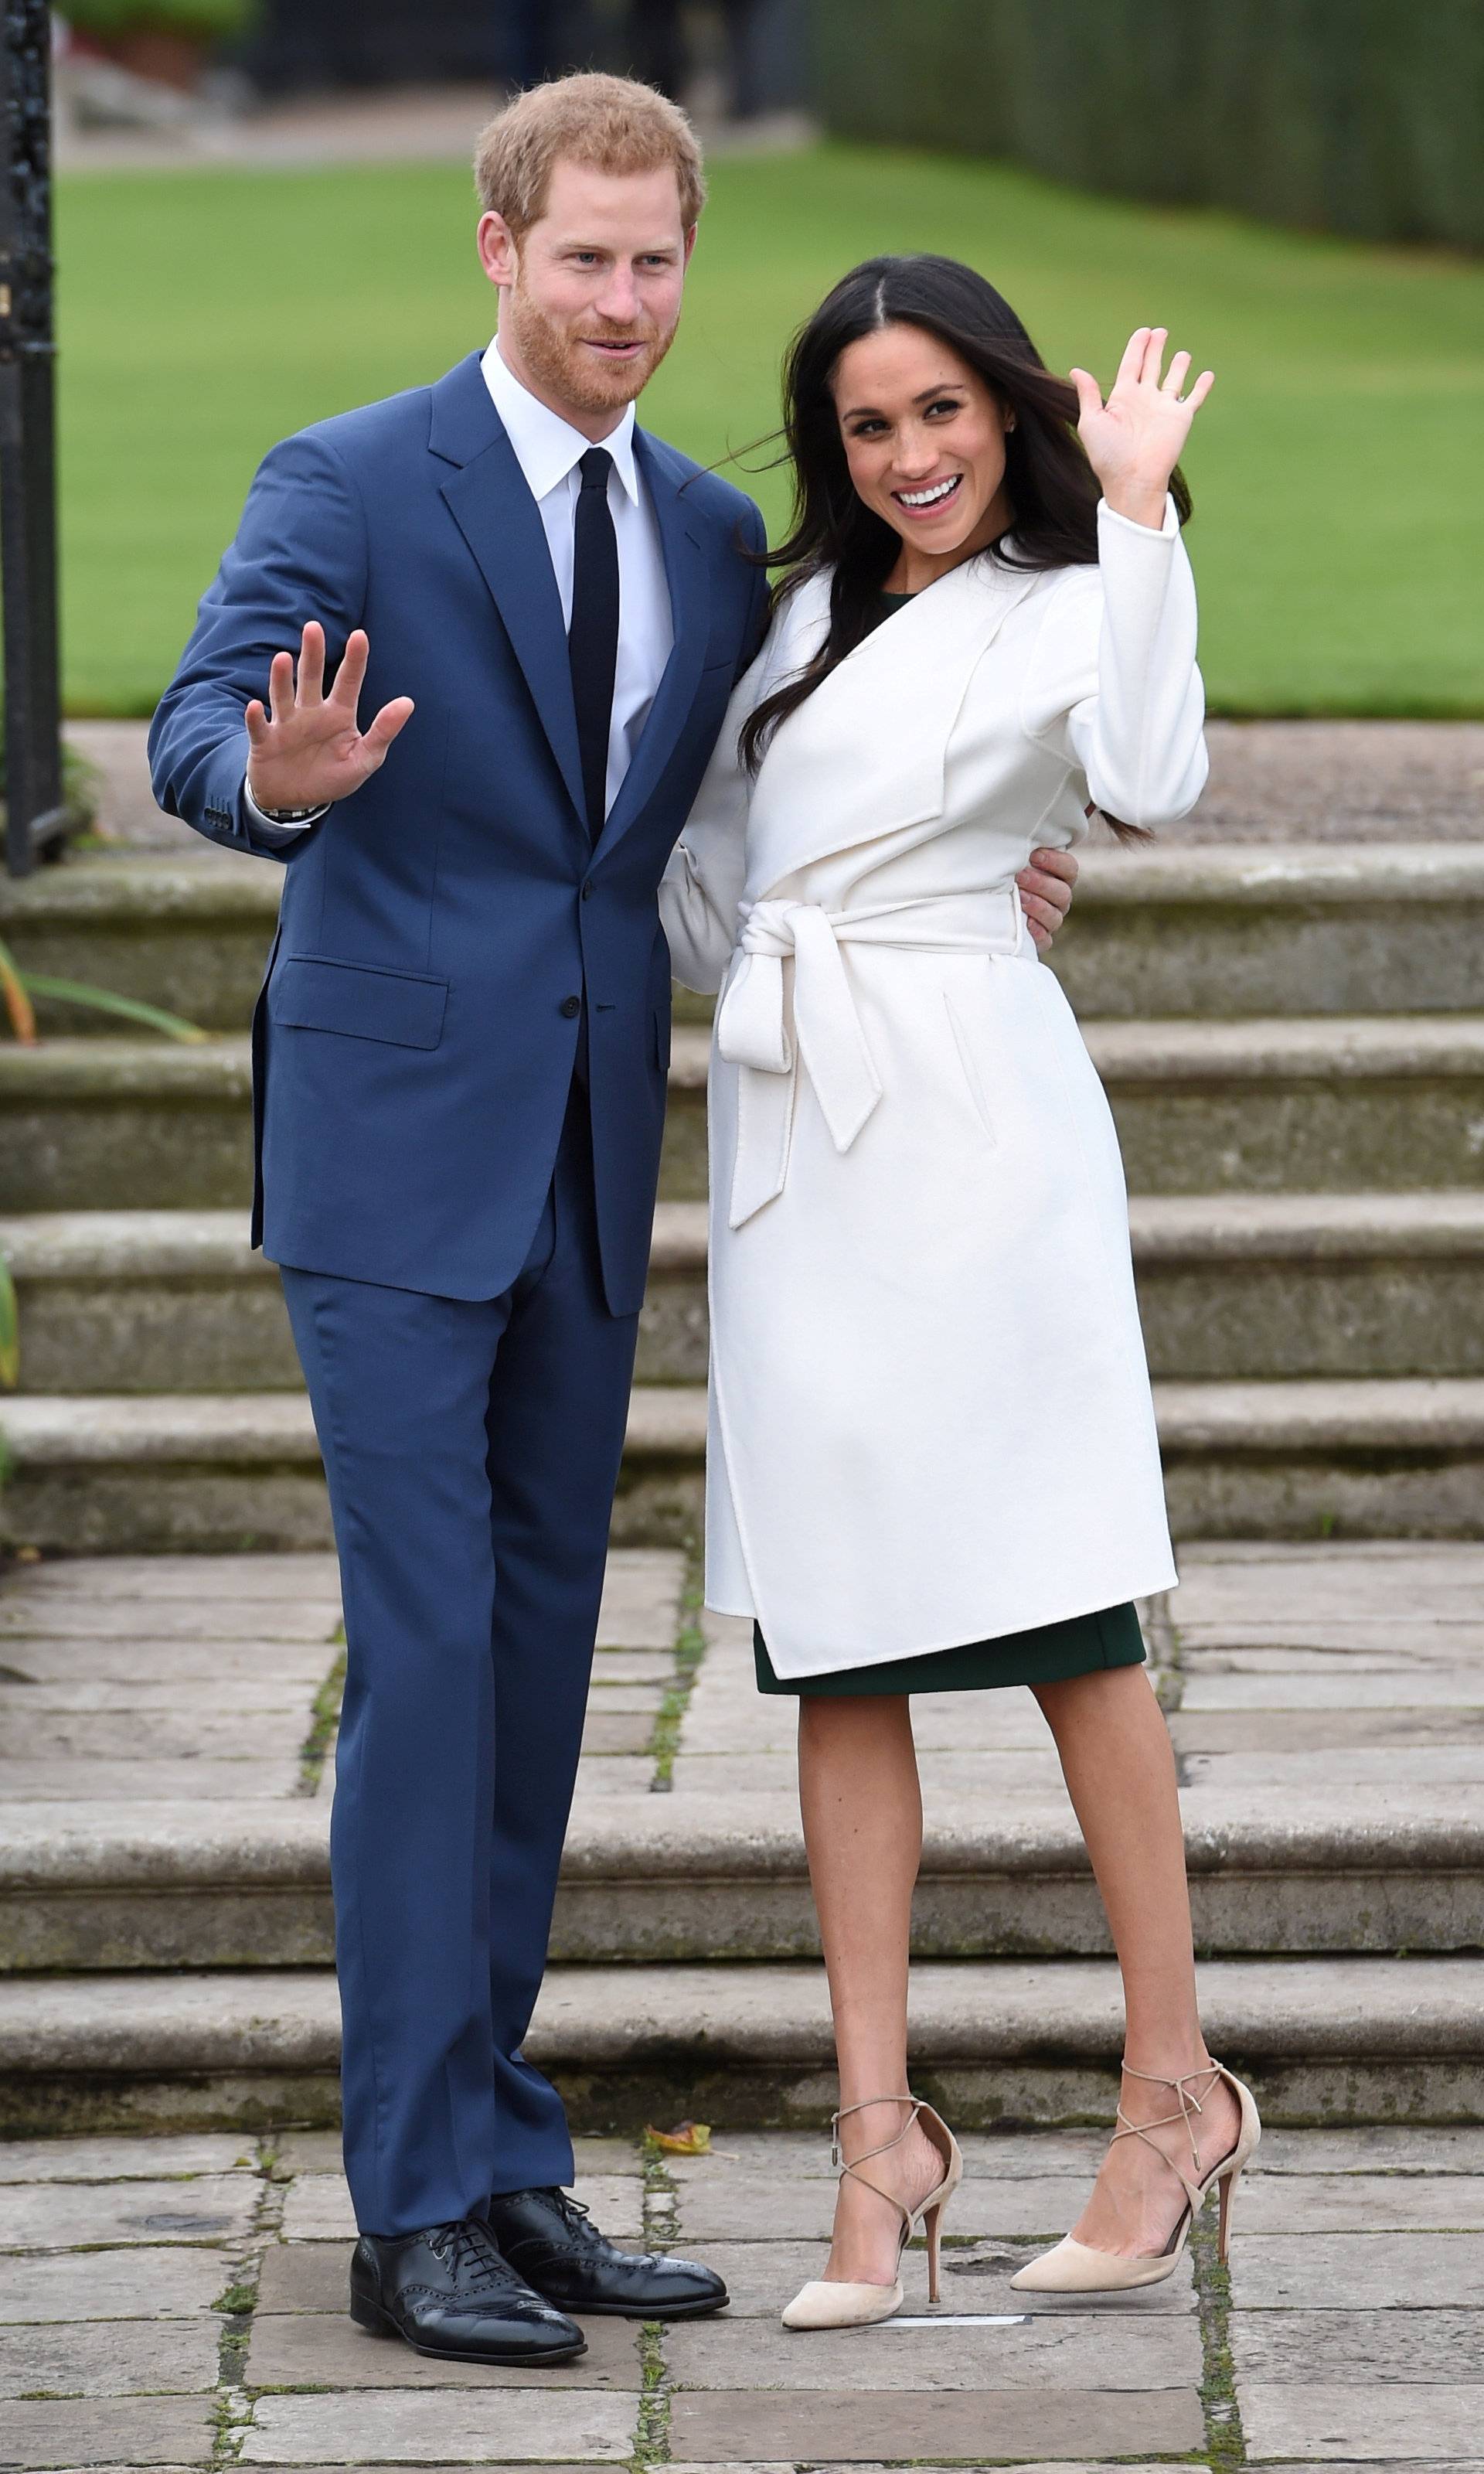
pixel 1074 2267
pixel 827 2304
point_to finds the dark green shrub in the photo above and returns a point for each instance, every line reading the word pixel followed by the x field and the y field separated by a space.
pixel 1362 117
pixel 196 21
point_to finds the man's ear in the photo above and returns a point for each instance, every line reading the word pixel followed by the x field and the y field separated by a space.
pixel 499 252
pixel 690 241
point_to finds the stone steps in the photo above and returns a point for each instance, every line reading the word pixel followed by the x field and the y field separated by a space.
pixel 1335 2041
pixel 1232 1286
pixel 1326 1104
pixel 661 1879
pixel 1317 929
pixel 119 1473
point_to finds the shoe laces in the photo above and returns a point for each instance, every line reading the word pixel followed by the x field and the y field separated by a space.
pixel 577 2218
pixel 472 2257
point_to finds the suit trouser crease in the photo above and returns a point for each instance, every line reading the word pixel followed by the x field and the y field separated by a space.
pixel 472 1451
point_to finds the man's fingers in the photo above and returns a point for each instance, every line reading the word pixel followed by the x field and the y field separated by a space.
pixel 391 718
pixel 280 687
pixel 1039 913
pixel 1039 935
pixel 1048 890
pixel 348 678
pixel 256 721
pixel 311 663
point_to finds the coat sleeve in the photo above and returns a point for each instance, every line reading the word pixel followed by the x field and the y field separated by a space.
pixel 299 553
pixel 1113 686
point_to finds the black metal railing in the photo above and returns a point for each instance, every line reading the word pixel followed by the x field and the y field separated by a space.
pixel 35 814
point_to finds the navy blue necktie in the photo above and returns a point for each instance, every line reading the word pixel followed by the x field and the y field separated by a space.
pixel 592 636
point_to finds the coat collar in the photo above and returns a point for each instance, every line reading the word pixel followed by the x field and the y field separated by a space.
pixel 899 693
pixel 490 499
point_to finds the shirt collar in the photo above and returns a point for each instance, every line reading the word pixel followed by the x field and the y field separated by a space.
pixel 547 448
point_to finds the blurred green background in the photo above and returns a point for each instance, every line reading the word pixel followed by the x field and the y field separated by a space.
pixel 1339 532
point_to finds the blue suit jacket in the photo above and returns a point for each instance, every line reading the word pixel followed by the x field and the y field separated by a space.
pixel 414 1044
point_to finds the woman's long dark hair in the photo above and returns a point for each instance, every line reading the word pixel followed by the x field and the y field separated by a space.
pixel 1050 485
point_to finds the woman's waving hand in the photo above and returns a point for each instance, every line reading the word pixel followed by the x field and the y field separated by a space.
pixel 1136 439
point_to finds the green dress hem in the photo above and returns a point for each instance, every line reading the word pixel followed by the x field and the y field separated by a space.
pixel 1047 1654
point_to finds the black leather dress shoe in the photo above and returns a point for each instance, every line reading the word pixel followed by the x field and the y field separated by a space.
pixel 451 2295
pixel 550 2238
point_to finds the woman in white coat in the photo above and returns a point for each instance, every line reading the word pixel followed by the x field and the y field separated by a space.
pixel 933 1461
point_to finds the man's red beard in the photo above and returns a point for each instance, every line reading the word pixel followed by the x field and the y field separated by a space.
pixel 558 355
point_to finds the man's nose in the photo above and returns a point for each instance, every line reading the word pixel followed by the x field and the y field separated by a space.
pixel 619 299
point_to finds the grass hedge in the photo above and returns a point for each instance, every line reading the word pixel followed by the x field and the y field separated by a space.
pixel 1360 116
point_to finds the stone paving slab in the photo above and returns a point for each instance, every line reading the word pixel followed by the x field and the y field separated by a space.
pixel 760 2277
pixel 69 2286
pixel 107 2358
pixel 51 2216
pixel 710 2428
pixel 541 2427
pixel 1409 2347
pixel 1033 2352
pixel 305 2349
pixel 122 2160
pixel 1365 2422
pixel 115 2431
pixel 1390 2272
pixel 145 1781
pixel 746 2207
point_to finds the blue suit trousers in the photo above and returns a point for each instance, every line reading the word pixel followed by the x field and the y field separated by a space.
pixel 472 1449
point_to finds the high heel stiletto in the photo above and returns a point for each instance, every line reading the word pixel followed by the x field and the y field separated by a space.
pixel 824 2303
pixel 1075 2268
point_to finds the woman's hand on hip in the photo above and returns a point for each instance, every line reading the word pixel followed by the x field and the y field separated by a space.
pixel 1046 892
pixel 1136 439
pixel 309 748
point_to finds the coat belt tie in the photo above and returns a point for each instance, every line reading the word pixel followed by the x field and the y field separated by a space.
pixel 752 1021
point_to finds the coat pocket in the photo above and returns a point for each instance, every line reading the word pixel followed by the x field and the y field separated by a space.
pixel 970 1066
pixel 309 993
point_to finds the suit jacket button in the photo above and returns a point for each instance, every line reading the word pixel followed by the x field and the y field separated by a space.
pixel 587 892
pixel 571 1007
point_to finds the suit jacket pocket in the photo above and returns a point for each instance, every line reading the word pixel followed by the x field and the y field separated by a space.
pixel 308 993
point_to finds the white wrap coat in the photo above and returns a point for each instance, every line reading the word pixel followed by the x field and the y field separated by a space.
pixel 931 1419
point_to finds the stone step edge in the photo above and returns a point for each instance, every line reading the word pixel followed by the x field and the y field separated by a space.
pixel 1297 1417
pixel 1182 1050
pixel 655 1839
pixel 1166 1228
pixel 608 2019
pixel 168 892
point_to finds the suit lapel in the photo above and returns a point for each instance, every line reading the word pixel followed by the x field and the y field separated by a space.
pixel 489 501
pixel 684 566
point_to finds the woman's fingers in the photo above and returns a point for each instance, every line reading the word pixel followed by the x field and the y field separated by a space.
pixel 1132 366
pixel 1089 395
pixel 1201 390
pixel 1179 367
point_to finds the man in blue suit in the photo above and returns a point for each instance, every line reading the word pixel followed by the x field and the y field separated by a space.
pixel 460 1058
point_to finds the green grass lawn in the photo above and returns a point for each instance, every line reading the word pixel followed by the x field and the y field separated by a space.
pixel 1339 534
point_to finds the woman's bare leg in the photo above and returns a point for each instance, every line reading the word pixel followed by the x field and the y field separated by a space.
pixel 1115 1755
pixel 862 1810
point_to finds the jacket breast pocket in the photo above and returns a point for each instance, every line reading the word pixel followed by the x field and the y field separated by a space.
pixel 308 993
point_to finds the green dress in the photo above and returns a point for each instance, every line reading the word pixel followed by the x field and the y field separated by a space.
pixel 1048 1654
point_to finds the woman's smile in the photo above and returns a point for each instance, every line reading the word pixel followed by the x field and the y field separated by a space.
pixel 928 498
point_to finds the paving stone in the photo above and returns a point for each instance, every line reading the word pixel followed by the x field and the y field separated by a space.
pixel 160 2285
pixel 146 1782
pixel 549 2427
pixel 656 1666
pixel 53 2217
pixel 127 2159
pixel 252 1697
pixel 1374 2147
pixel 1398 2271
pixel 320 2349
pixel 761 2277
pixel 153 1735
pixel 1029 2352
pixel 992 1775
pixel 824 2465
pixel 116 2431
pixel 1345 1732
pixel 1293 2203
pixel 106 2358
pixel 620 1734
pixel 1296 1776
pixel 318 2207
pixel 711 2427
pixel 91 1618
pixel 1326 2346
pixel 280 1664
pixel 614 1774
pixel 1445 1687
pixel 767 2208
pixel 1360 2420
pixel 199 1578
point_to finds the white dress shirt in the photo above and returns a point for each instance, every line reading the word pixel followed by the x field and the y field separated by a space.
pixel 549 450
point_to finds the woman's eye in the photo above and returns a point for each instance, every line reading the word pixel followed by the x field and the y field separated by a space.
pixel 945 405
